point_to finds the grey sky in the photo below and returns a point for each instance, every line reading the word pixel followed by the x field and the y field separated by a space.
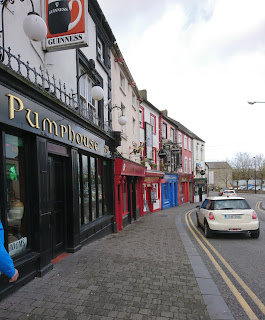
pixel 202 60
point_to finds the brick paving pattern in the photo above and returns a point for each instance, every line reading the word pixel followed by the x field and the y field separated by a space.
pixel 140 273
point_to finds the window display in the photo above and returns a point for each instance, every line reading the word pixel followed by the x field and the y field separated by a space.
pixel 15 177
pixel 94 178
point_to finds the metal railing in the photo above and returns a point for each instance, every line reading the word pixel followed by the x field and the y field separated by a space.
pixel 55 88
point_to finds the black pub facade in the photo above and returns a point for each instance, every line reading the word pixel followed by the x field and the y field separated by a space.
pixel 57 169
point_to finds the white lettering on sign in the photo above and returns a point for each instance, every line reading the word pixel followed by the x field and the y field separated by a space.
pixel 17 246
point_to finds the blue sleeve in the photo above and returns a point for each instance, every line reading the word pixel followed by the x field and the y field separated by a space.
pixel 6 263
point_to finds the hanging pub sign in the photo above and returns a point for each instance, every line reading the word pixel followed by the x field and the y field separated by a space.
pixel 162 154
pixel 66 22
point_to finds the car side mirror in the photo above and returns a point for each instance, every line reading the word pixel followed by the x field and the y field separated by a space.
pixel 198 207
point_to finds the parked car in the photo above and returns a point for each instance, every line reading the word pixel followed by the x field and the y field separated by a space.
pixel 228 215
pixel 257 188
pixel 228 192
pixel 242 188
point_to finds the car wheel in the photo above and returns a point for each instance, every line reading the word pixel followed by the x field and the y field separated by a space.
pixel 254 234
pixel 198 223
pixel 207 231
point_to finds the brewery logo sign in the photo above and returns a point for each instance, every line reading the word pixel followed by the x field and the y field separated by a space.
pixel 66 21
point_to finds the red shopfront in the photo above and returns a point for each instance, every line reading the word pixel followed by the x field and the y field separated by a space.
pixel 128 179
pixel 185 188
pixel 152 191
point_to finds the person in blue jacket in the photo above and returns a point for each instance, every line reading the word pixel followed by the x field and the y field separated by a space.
pixel 6 263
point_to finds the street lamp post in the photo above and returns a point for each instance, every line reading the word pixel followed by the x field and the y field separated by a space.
pixel 253 102
pixel 255 174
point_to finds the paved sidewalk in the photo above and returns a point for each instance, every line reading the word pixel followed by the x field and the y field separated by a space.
pixel 142 272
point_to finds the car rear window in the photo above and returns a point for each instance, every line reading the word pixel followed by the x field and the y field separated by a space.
pixel 231 204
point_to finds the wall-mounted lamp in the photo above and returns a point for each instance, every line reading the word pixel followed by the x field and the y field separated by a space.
pixel 34 26
pixel 122 119
pixel 97 93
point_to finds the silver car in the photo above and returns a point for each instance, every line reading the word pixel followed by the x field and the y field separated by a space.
pixel 227 214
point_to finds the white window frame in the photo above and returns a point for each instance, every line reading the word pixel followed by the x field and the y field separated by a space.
pixel 122 82
pixel 100 50
pixel 89 105
pixel 185 142
pixel 164 132
pixel 189 144
pixel 133 100
pixel 141 117
pixel 180 139
pixel 185 165
pixel 189 165
pixel 172 134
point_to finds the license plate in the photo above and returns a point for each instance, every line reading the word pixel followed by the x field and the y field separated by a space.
pixel 233 216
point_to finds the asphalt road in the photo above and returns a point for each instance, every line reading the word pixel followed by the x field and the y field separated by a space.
pixel 245 256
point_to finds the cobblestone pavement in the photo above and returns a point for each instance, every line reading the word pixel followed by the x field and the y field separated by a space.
pixel 142 272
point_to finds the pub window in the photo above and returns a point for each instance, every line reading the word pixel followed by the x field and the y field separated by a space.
pixel 85 174
pixel 94 192
pixel 93 175
pixel 16 198
pixel 105 178
pixel 100 191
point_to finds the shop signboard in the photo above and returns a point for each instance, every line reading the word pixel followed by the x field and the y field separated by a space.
pixel 21 112
pixel 66 21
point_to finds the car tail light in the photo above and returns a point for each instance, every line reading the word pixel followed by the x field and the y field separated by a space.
pixel 254 215
pixel 211 216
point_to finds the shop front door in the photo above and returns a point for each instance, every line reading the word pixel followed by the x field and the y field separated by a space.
pixel 57 199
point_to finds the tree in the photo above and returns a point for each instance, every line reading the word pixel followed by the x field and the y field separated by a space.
pixel 242 165
pixel 225 176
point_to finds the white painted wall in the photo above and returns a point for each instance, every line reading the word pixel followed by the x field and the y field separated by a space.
pixel 198 157
pixel 130 132
pixel 61 64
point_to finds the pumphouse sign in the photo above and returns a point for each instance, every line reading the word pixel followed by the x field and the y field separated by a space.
pixel 20 112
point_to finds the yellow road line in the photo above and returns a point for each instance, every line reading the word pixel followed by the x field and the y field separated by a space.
pixel 252 295
pixel 234 290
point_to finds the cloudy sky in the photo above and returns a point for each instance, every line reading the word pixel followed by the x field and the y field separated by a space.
pixel 202 60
